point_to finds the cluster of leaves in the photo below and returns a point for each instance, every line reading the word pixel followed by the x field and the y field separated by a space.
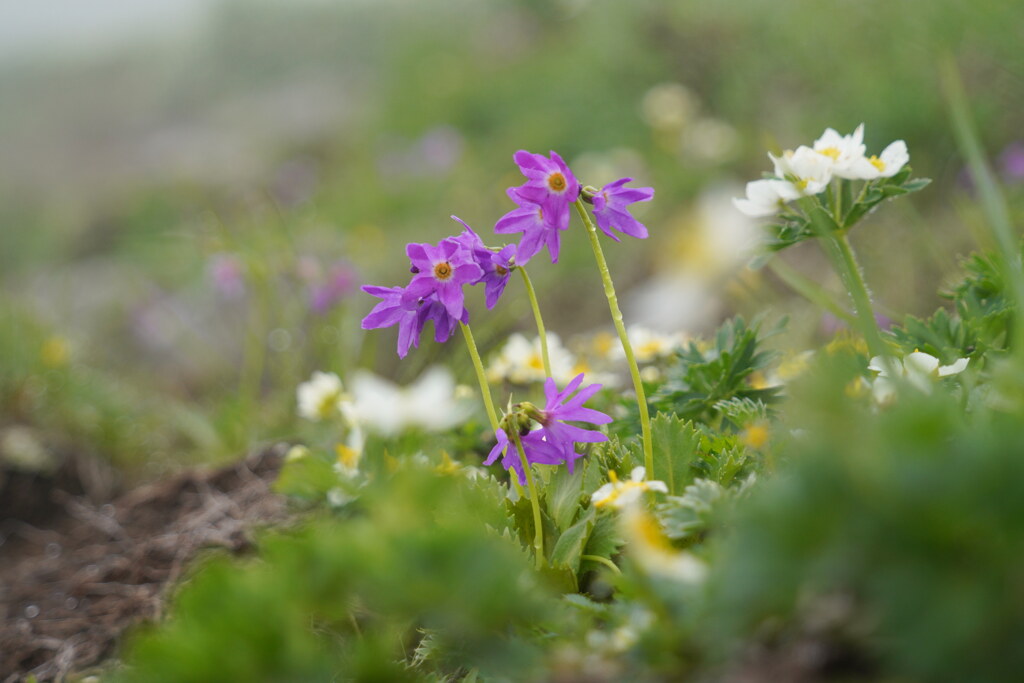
pixel 793 227
pixel 981 320
pixel 704 384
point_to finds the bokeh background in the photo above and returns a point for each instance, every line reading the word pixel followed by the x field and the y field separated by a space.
pixel 192 191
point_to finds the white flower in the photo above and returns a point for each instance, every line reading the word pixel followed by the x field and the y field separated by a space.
pixel 893 158
pixel 845 151
pixel 649 346
pixel 809 171
pixel 918 368
pixel 322 396
pixel 766 197
pixel 428 403
pixel 620 494
pixel 647 544
pixel 520 361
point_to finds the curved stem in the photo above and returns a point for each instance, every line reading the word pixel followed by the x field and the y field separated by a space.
pixel 481 376
pixel 809 289
pixel 851 274
pixel 602 560
pixel 620 327
pixel 542 335
pixel 538 536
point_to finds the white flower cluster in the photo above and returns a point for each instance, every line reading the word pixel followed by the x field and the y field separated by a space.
pixel 918 369
pixel 808 170
pixel 520 361
pixel 432 402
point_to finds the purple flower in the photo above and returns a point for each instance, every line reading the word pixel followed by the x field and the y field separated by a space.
pixel 228 275
pixel 536 449
pixel 610 204
pixel 496 266
pixel 1012 160
pixel 411 317
pixel 441 270
pixel 555 441
pixel 324 296
pixel 550 184
pixel 529 219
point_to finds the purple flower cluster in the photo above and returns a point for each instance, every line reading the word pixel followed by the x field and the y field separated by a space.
pixel 544 202
pixel 435 292
pixel 554 442
pixel 440 272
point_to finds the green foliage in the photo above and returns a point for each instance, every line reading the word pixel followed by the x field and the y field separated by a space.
pixel 700 381
pixel 356 594
pixel 909 517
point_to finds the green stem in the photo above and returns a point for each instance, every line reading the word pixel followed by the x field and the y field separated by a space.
pixel 809 289
pixel 620 327
pixel 602 560
pixel 839 252
pixel 481 376
pixel 532 295
pixel 538 536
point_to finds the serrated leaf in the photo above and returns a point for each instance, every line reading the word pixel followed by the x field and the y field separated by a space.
pixel 605 539
pixel 563 496
pixel 674 443
pixel 585 604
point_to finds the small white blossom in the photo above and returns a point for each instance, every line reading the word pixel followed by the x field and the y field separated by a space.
pixel 766 197
pixel 620 494
pixel 649 346
pixel 322 396
pixel 647 544
pixel 520 361
pixel 893 158
pixel 808 171
pixel 845 151
pixel 918 368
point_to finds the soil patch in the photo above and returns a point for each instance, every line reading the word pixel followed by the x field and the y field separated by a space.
pixel 68 591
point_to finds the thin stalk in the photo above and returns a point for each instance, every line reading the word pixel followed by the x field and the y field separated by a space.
pixel 620 327
pixel 839 252
pixel 538 536
pixel 602 560
pixel 993 203
pixel 481 376
pixel 810 290
pixel 532 295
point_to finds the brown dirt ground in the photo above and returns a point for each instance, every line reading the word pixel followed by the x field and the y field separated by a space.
pixel 71 586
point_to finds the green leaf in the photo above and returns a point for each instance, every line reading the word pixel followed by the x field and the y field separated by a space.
pixel 604 539
pixel 563 496
pixel 571 543
pixel 675 443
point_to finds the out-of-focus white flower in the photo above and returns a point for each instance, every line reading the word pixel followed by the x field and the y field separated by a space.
pixel 520 361
pixel 649 346
pixel 620 494
pixel 323 396
pixel 808 171
pixel 647 544
pixel 428 403
pixel 668 106
pixel 710 140
pixel 766 197
pixel 918 368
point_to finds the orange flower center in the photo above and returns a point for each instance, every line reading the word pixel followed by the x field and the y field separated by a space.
pixel 501 270
pixel 556 181
pixel 443 270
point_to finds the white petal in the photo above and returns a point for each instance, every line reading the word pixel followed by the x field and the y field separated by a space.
pixel 895 156
pixel 638 474
pixel 955 369
pixel 921 362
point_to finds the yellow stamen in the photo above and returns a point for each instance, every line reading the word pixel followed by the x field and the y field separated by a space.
pixel 832 152
pixel 877 163
pixel 348 457
pixel 755 436
pixel 443 271
pixel 556 181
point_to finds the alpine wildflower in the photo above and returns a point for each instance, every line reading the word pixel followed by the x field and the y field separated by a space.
pixel 441 270
pixel 610 210
pixel 619 494
pixel 322 396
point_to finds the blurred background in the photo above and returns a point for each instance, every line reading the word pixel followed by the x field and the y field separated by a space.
pixel 192 191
